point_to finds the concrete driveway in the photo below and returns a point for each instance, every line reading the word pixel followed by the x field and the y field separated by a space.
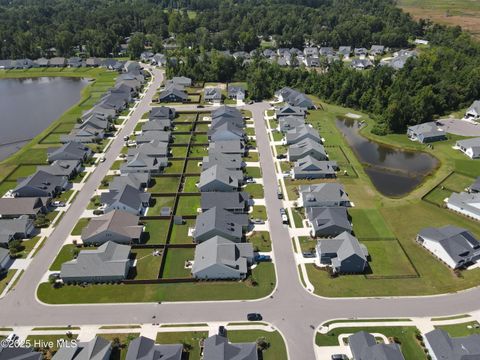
pixel 460 127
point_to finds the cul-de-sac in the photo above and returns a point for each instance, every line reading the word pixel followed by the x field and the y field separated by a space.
pixel 239 180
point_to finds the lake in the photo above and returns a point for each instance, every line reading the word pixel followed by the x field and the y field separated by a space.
pixel 394 172
pixel 28 106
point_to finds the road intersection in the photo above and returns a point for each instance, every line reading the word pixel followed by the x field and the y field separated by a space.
pixel 291 309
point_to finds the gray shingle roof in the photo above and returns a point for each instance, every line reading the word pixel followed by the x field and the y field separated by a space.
pixel 311 167
pixel 227 111
pixel 364 347
pixel 117 222
pixel 329 221
pixel 153 148
pixel 19 353
pixel 426 130
pixel 227 147
pixel 344 246
pixel 11 228
pixel 217 175
pixel 143 348
pixel 136 180
pixel 306 147
pixel 302 132
pixel 226 161
pixel 325 192
pixel 229 201
pixel 218 348
pixel 445 347
pixel 157 125
pixel 149 136
pixel 61 167
pixel 22 206
pixel 41 181
pixel 220 222
pixel 466 201
pixel 69 151
pixel 162 112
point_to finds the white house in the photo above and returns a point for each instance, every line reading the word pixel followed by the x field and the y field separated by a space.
pixel 473 112
pixel 465 203
pixel 470 147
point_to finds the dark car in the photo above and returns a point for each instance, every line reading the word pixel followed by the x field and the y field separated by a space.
pixel 339 357
pixel 200 106
pixel 281 156
pixel 309 254
pixel 222 331
pixel 254 317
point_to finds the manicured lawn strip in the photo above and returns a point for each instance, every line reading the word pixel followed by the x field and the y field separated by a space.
pixel 28 246
pixel 254 172
pixel 66 254
pixel 255 190
pixel 297 214
pixel 21 172
pixel 388 259
pixel 463 329
pixel 190 184
pixel 181 138
pixel 264 275
pixel 174 167
pixel 179 233
pixel 197 151
pixel 7 185
pixel 277 349
pixel 164 184
pixel 82 222
pixel 106 181
pixel 120 353
pixel 179 151
pixel 182 128
pixel 458 182
pixel 369 223
pixel 261 241
pixel 155 231
pixel 454 317
pixel 175 263
pixel 5 279
pixel 410 347
pixel 250 131
pixel 192 167
pixel 259 212
pixel 307 243
pixel 191 338
pixel 277 135
pixel 116 165
pixel 200 139
pixel 94 203
pixel 64 196
pixel 252 156
pixel 437 196
pixel 159 203
pixel 147 265
pixel 49 342
pixel 187 205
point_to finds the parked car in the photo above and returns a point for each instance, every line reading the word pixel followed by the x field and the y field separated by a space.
pixel 258 221
pixel 339 357
pixel 222 331
pixel 200 106
pixel 254 317
pixel 126 137
pixel 309 254
pixel 249 180
pixel 262 258
pixel 282 211
pixel 279 193
pixel 58 204
pixel 281 156
pixel 102 159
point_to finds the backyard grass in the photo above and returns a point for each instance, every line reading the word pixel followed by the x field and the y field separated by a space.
pixel 187 205
pixel 147 265
pixel 369 223
pixel 255 190
pixel 175 263
pixel 190 338
pixel 276 349
pixel 387 258
pixel 192 167
pixel 298 217
pixel 159 203
pixel 190 184
pixel 264 275
pixel 198 151
pixel 179 151
pixel 179 233
pixel 174 167
pixel 164 184
pixel 156 231
pixel 261 241
pixel 463 329
pixel 259 212
pixel 410 346
pixel 82 222
pixel 437 196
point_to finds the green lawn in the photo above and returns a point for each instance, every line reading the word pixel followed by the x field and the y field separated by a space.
pixel 156 231
pixel 252 156
pixel 298 217
pixel 117 164
pixel 164 184
pixel 410 346
pixel 463 329
pixel 185 117
pixel 192 167
pixel 5 279
pixel 255 190
pixel 277 135
pixel 82 222
pixel 7 185
pixel 388 259
pixel 190 184
pixel 175 263
pixel 66 254
pixel 21 172
pixel 179 151
pixel 174 167
pixel 187 205
pixel 261 241
pixel 120 353
pixel 457 182
pixel 180 232
pixel 180 139
pixel 264 275
pixel 276 349
pixel 437 196
pixel 254 172
pixel 159 203
pixel 147 265
pixel 369 223
pixel 259 212
pixel 198 151
pixel 191 338
pixel 28 245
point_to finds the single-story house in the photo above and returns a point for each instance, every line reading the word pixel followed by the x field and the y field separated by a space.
pixel 470 147
pixel 163 112
pixel 96 349
pixel 302 132
pixel 473 112
pixel 344 254
pixel 306 147
pixel 226 161
pixel 11 208
pixel 217 178
pixel 226 132
pixel 311 168
pixel 226 111
pixel 40 184
pixel 94 121
pixel 465 203
pixel 236 92
pixel 93 62
pixel 85 135
pixel 140 163
pixel 220 222
pixel 426 133
pixel 126 199
pixel 137 180
pixel 364 346
pixel 235 201
pixel 220 258
pixel 290 122
pixel 213 95
pixel 454 246
pixel 110 262
pixel 289 110
pixel 68 168
pixel 182 80
pixel 117 226
pixel 377 50
pixel 143 348
pixel 441 346
pixel 173 94
pixel 18 228
pixel 237 122
pixel 361 64
pixel 295 99
pixel 326 50
pixel 75 62
pixel 475 187
pixel 4 261
pixel 328 221
pixel 345 51
pixel 323 195
pixel 154 148
pixel 310 51
pixel 149 136
pixel 69 151
pixel 157 125
pixel 217 347
pixel 360 51
pixel 227 147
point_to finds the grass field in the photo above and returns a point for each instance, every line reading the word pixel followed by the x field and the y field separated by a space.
pixel 191 338
pixel 463 329
pixel 261 240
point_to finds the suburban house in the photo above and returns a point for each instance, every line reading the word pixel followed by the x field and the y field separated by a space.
pixel 306 147
pixel 465 203
pixel 220 258
pixel 18 228
pixel 143 348
pixel 40 184
pixel 141 163
pixel 235 201
pixel 225 161
pixel 289 110
pixel 4 259
pixel 290 122
pixel 455 246
pixel 360 51
pixel 473 112
pixel 226 132
pixel 96 349
pixel 93 62
pixel 182 81
pixel 470 147
pixel 69 151
pixel 441 346
pixel 236 93
pixel 137 180
pixel 149 136
pixel 157 124
pixel 361 64
pixel 117 226
pixel 30 206
pixel 344 254
pixel 328 221
pixel 217 178
pixel 345 51
pixel 364 346
pixel 323 195
pixel 213 95
pixel 475 187
pixel 217 347
pixel 154 148
pixel 377 50
pixel 220 222
pixel 95 122
pixel 226 111
pixel 126 199
pixel 83 135
pixel 67 168
pixel 19 353
pixel 227 147
pixel 310 51
pixel 237 122
pixel 294 98
pixel 311 168
pixel 109 263
pixel 162 112
pixel 426 133
pixel 302 132
pixel 173 94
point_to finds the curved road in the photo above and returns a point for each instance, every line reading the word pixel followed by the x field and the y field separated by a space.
pixel 290 308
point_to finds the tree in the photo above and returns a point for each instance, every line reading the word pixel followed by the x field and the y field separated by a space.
pixel 15 247
pixel 136 45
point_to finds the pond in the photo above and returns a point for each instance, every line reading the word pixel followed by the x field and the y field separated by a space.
pixel 393 171
pixel 30 105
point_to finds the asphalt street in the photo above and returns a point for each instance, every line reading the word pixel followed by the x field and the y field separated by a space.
pixel 290 308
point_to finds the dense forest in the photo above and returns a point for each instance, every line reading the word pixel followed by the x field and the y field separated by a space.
pixel 445 77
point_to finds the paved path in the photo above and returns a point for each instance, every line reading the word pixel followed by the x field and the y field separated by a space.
pixel 290 308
